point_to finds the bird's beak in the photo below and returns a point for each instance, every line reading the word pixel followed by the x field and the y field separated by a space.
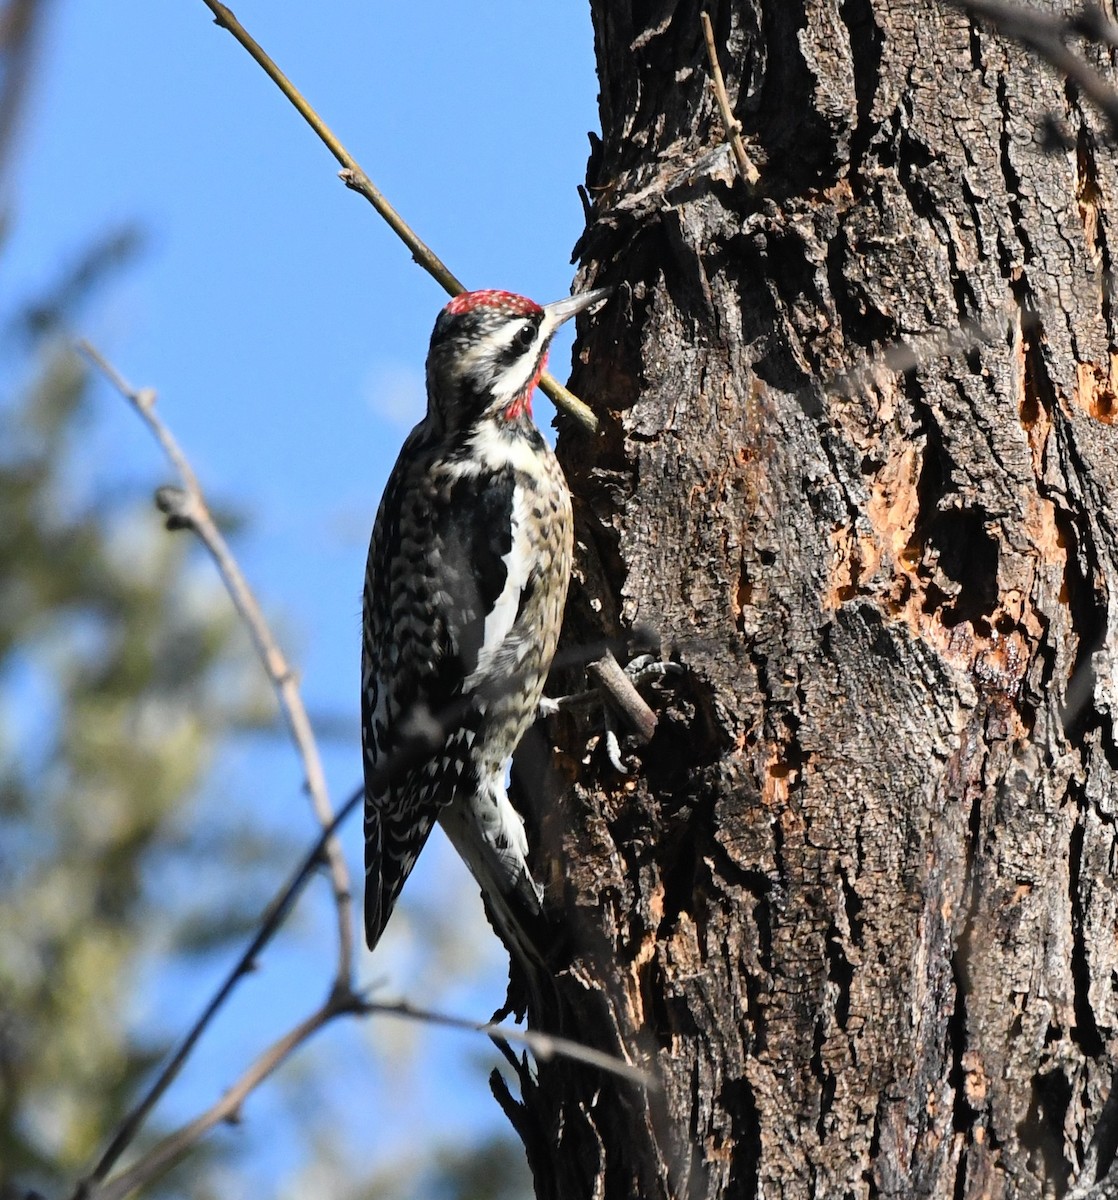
pixel 562 310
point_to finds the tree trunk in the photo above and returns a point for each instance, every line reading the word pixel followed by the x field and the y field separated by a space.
pixel 854 907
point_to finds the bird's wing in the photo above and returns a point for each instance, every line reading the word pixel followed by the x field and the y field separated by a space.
pixel 454 576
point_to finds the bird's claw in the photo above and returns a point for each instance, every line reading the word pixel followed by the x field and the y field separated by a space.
pixel 616 690
pixel 645 668
pixel 613 743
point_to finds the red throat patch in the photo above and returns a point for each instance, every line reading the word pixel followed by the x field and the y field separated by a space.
pixel 523 403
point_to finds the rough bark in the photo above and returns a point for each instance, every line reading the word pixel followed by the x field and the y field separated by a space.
pixel 855 906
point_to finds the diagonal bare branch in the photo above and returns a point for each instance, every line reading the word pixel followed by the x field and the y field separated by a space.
pixel 274 916
pixel 171 1148
pixel 341 1000
pixel 355 178
pixel 345 1003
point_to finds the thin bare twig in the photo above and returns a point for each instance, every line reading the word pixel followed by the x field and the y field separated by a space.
pixel 746 168
pixel 354 177
pixel 274 916
pixel 1046 36
pixel 168 1151
pixel 171 1148
pixel 542 1045
pixel 189 509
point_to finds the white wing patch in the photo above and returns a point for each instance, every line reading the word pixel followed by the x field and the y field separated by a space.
pixel 518 565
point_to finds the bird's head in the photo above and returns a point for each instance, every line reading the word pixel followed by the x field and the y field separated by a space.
pixel 488 352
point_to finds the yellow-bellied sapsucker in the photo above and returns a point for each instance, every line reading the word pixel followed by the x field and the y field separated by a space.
pixel 464 593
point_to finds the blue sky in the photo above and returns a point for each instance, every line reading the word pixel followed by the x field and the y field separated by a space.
pixel 284 328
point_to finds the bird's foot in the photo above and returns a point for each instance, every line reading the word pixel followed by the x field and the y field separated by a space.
pixel 616 690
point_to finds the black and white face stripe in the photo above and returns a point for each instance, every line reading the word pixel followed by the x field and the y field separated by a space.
pixel 506 359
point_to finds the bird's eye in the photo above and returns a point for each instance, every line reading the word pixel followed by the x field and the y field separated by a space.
pixel 526 336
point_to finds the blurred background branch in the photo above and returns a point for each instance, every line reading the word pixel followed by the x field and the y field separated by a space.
pixel 20 24
pixel 1047 35
pixel 188 509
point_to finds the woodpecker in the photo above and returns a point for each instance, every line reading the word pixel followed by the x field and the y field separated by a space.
pixel 465 585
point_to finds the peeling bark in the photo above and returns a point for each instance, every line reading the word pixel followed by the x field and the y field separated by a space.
pixel 855 906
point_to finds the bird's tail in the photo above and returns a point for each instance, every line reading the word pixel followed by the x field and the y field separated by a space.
pixel 390 854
